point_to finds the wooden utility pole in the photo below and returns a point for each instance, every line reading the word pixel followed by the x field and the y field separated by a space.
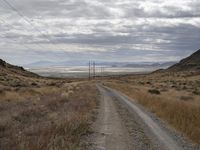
pixel 89 70
pixel 102 71
pixel 94 70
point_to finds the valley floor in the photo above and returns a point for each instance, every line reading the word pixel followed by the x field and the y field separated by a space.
pixel 42 113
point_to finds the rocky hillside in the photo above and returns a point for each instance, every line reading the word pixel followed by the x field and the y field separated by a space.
pixel 7 69
pixel 191 63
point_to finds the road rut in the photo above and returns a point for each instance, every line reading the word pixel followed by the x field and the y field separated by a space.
pixel 110 131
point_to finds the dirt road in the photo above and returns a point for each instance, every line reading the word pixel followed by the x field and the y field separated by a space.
pixel 125 125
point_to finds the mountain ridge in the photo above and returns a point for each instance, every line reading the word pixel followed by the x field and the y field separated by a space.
pixel 46 64
pixel 190 63
pixel 6 68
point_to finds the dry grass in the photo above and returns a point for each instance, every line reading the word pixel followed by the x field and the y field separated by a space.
pixel 39 113
pixel 179 107
pixel 55 115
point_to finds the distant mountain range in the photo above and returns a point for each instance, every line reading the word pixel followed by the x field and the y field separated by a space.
pixel 156 65
pixel 43 64
pixel 191 63
pixel 137 64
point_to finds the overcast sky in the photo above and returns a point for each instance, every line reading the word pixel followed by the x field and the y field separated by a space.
pixel 107 30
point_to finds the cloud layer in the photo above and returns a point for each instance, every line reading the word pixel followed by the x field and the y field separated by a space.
pixel 111 30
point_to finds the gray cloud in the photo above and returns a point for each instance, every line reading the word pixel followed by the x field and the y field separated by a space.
pixel 123 30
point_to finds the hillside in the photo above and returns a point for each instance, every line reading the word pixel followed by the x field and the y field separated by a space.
pixel 8 69
pixel 191 63
pixel 39 113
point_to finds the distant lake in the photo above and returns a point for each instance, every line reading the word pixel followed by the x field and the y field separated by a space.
pixel 82 71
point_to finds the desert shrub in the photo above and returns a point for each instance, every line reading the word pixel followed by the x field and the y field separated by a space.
pixel 52 84
pixel 141 83
pixel 184 88
pixel 186 98
pixel 34 84
pixel 196 92
pixel 1 91
pixel 154 91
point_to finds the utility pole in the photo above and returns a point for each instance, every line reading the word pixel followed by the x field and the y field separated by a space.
pixel 102 71
pixel 89 70
pixel 94 70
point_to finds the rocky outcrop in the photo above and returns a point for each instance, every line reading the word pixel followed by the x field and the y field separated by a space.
pixel 3 63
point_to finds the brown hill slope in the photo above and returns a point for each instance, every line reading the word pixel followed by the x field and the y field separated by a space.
pixel 7 69
pixel 191 63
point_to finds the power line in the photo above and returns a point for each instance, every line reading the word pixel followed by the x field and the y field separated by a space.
pixel 3 20
pixel 22 44
pixel 28 21
pixel 25 46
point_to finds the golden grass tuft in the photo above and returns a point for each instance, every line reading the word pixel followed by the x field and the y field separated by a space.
pixel 182 115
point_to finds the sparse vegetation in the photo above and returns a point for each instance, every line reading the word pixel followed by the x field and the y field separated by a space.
pixel 54 116
pixel 41 113
pixel 178 106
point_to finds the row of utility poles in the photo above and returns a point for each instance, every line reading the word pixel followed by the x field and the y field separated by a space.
pixel 93 70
